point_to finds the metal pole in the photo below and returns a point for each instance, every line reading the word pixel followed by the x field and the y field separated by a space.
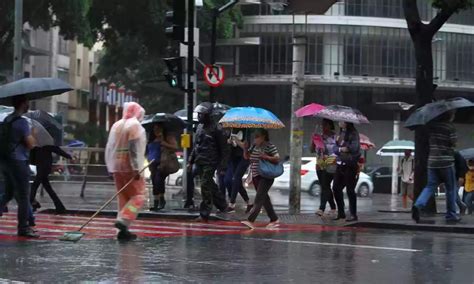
pixel 17 53
pixel 190 91
pixel 215 14
pixel 296 140
pixel 396 136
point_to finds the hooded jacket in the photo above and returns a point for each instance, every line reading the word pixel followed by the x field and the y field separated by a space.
pixel 210 147
pixel 125 150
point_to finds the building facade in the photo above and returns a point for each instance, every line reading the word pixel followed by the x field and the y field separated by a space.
pixel 358 53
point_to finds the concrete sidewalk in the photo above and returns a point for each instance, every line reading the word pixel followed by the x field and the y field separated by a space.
pixel 379 211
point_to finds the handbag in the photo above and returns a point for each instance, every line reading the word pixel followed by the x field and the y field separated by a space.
pixel 169 163
pixel 270 170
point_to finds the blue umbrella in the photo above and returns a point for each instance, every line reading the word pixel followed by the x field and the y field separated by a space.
pixel 250 117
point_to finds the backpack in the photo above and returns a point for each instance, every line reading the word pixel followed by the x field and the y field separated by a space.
pixel 6 145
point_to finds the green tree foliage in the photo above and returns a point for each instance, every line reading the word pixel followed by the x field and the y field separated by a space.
pixel 69 15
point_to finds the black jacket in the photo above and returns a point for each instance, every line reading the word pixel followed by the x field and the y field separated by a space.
pixel 460 165
pixel 210 147
pixel 42 156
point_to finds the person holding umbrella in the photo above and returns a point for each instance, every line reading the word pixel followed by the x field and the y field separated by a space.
pixel 210 153
pixel 160 140
pixel 441 168
pixel 14 156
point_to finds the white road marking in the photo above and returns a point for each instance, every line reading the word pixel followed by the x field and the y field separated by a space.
pixel 333 244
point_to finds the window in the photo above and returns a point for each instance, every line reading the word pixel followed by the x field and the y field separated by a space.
pixel 63 74
pixel 63 46
pixel 78 67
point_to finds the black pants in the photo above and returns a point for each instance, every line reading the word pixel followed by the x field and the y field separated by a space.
pixel 158 180
pixel 210 192
pixel 262 185
pixel 240 167
pixel 326 194
pixel 42 177
pixel 17 184
pixel 346 177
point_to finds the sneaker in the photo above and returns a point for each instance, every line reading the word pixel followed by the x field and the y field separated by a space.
pixel 453 221
pixel 229 209
pixel 352 219
pixel 320 213
pixel 273 225
pixel 35 205
pixel 249 207
pixel 28 233
pixel 462 208
pixel 189 205
pixel 249 224
pixel 61 210
pixel 339 217
pixel 415 214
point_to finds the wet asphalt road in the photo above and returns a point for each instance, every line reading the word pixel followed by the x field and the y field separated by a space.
pixel 333 256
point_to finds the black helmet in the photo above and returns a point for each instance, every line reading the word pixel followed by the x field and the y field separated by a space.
pixel 204 108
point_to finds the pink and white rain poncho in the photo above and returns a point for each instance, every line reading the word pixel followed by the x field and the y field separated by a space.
pixel 124 156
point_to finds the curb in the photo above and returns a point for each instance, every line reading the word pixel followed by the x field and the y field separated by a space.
pixel 415 227
pixel 187 215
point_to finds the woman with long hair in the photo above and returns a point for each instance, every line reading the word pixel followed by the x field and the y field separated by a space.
pixel 347 150
pixel 158 140
pixel 326 165
pixel 262 149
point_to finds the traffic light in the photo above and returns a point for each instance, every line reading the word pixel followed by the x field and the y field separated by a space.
pixel 174 75
pixel 176 20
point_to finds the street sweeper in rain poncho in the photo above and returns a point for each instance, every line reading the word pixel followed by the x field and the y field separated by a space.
pixel 125 156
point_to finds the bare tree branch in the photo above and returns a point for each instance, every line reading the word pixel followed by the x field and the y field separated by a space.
pixel 441 18
pixel 412 15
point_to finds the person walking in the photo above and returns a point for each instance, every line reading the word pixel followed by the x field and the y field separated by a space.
pixel 43 159
pixel 407 172
pixel 239 166
pixel 262 149
pixel 160 140
pixel 14 156
pixel 210 153
pixel 469 187
pixel 347 150
pixel 326 165
pixel 441 168
pixel 461 168
pixel 125 156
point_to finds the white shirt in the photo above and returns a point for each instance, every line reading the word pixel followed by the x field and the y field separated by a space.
pixel 407 168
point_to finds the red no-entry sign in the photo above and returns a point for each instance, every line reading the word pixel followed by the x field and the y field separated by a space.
pixel 214 75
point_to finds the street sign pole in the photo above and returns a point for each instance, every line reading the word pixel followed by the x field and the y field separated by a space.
pixel 190 95
pixel 17 52
pixel 215 14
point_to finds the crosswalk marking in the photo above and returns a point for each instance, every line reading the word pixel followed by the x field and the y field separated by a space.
pixel 51 227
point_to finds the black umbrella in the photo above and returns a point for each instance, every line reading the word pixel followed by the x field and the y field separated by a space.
pixel 168 120
pixel 430 111
pixel 183 114
pixel 33 88
pixel 49 123
pixel 467 154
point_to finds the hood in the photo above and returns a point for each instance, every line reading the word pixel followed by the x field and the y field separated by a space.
pixel 133 110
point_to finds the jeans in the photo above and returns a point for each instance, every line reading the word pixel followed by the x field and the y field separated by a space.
pixel 435 178
pixel 262 185
pixel 210 192
pixel 346 177
pixel 17 184
pixel 190 185
pixel 237 186
pixel 326 194
pixel 225 180
pixel 468 199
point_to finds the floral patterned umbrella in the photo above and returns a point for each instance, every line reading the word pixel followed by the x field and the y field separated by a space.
pixel 342 113
pixel 365 143
pixel 250 117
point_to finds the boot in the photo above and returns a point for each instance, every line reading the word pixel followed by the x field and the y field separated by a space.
pixel 162 202
pixel 124 234
pixel 156 205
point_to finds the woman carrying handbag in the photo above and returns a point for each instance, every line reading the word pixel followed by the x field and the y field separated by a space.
pixel 161 148
pixel 264 158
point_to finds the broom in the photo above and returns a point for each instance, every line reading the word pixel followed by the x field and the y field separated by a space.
pixel 77 235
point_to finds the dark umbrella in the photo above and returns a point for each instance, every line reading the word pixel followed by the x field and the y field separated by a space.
pixel 430 111
pixel 219 109
pixel 168 120
pixel 342 113
pixel 183 114
pixel 49 123
pixel 33 88
pixel 467 154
